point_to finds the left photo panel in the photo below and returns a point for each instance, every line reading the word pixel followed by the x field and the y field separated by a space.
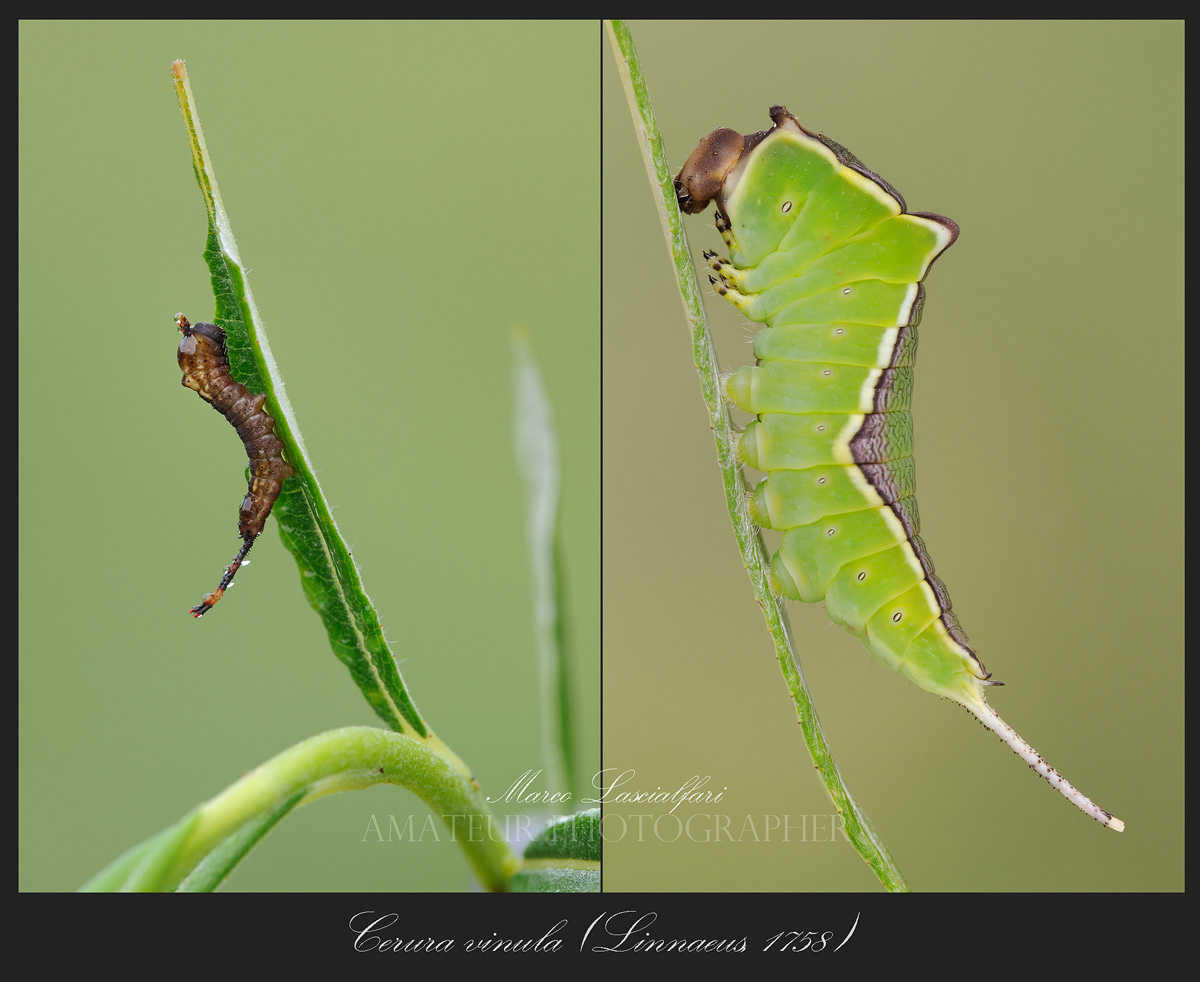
pixel 410 212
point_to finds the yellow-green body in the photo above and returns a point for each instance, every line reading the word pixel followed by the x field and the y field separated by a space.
pixel 825 253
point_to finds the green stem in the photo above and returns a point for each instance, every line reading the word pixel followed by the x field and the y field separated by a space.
pixel 348 759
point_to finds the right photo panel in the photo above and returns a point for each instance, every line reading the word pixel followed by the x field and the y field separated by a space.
pixel 1017 189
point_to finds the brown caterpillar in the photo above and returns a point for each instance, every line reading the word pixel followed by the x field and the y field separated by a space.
pixel 205 365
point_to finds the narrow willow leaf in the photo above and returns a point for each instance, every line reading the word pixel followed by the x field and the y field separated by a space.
pixel 212 871
pixel 570 837
pixel 859 830
pixel 144 868
pixel 564 857
pixel 536 443
pixel 327 571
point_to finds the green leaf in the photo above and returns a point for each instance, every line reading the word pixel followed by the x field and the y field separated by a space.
pixel 536 443
pixel 328 573
pixel 208 848
pixel 574 837
pixel 556 880
pixel 563 858
pixel 211 871
pixel 144 868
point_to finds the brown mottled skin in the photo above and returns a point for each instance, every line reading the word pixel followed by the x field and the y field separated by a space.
pixel 205 365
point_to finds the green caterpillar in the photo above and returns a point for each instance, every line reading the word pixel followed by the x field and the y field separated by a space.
pixel 825 253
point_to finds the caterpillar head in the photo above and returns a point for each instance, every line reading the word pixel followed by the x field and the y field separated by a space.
pixel 212 332
pixel 703 174
pixel 201 355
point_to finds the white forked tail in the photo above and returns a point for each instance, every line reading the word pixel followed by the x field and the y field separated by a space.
pixel 987 716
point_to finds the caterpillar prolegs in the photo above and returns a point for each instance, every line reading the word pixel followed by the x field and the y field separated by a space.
pixel 825 253
pixel 205 365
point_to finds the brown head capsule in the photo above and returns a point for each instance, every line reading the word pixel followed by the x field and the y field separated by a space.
pixel 702 174
pixel 205 365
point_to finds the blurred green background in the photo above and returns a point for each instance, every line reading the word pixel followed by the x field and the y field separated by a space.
pixel 1049 428
pixel 403 194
